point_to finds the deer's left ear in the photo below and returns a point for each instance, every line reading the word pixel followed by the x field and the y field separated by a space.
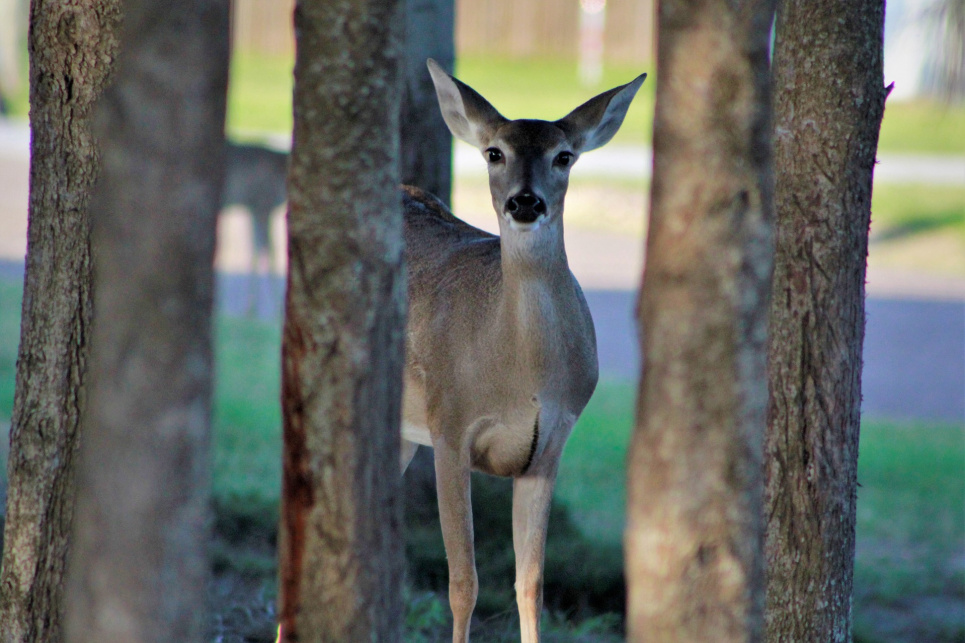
pixel 593 124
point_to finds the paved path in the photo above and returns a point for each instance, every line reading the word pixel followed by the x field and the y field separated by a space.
pixel 914 354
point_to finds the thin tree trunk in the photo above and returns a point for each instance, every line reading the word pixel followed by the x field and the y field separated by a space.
pixel 138 566
pixel 343 341
pixel 426 145
pixel 694 533
pixel 71 45
pixel 425 149
pixel 828 109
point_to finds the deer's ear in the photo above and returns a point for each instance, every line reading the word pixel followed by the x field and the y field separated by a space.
pixel 469 116
pixel 593 124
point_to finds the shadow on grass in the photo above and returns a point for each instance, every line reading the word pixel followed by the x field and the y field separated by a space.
pixel 582 579
pixel 933 222
pixel 584 587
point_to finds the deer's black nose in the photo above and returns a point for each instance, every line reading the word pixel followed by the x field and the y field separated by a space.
pixel 525 207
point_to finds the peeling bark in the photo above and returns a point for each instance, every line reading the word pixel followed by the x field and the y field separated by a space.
pixel 694 533
pixel 829 100
pixel 342 354
pixel 71 45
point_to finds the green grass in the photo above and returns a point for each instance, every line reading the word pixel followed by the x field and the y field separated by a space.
pixel 247 413
pixel 911 509
pixel 11 298
pixel 909 581
pixel 911 503
pixel 592 479
pixel 549 89
pixel 904 210
pixel 259 95
pixel 923 126
pixel 260 100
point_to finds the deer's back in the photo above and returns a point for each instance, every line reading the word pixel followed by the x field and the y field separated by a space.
pixel 445 253
pixel 254 177
pixel 454 280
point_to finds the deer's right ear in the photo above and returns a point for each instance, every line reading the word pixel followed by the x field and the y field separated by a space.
pixel 468 115
pixel 594 123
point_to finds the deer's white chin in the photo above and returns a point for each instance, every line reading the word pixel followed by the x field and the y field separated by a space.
pixel 519 226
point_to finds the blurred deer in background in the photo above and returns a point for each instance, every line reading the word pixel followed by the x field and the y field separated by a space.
pixel 255 180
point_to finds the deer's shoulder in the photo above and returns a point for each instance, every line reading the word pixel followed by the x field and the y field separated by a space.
pixel 426 215
pixel 434 234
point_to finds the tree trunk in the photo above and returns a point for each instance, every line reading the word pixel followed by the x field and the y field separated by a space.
pixel 71 45
pixel 425 149
pixel 828 109
pixel 426 145
pixel 343 341
pixel 694 533
pixel 138 567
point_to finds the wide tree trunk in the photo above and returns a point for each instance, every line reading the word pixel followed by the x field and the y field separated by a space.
pixel 828 109
pixel 138 567
pixel 343 340
pixel 694 533
pixel 426 145
pixel 71 47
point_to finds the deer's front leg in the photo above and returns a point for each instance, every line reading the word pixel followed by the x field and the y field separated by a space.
pixel 532 495
pixel 455 514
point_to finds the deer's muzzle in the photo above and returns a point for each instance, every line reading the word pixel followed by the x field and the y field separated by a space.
pixel 525 207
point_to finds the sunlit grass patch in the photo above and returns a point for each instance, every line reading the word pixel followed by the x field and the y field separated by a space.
pixel 261 91
pixel 260 95
pixel 905 210
pixel 919 228
pixel 923 125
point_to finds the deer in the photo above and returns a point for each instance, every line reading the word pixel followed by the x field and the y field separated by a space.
pixel 255 179
pixel 500 346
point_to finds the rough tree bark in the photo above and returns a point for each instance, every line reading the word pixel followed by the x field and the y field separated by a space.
pixel 694 533
pixel 138 567
pixel 71 47
pixel 426 145
pixel 828 108
pixel 343 340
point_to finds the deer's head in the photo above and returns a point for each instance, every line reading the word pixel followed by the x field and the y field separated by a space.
pixel 529 160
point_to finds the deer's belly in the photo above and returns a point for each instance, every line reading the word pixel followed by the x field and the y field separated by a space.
pixel 415 423
pixel 418 433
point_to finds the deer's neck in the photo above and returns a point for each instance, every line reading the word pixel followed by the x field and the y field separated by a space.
pixel 531 257
pixel 537 287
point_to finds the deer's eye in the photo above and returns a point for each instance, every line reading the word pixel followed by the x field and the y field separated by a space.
pixel 494 155
pixel 563 159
